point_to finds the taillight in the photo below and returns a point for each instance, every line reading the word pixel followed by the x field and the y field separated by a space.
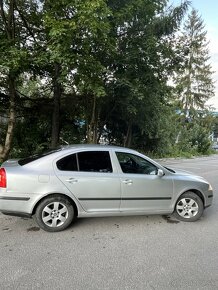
pixel 3 182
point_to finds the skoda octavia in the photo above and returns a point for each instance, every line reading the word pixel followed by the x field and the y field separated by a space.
pixel 96 181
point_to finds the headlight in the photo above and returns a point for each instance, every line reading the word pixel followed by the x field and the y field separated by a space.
pixel 210 187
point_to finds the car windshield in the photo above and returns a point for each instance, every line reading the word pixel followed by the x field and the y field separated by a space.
pixel 32 158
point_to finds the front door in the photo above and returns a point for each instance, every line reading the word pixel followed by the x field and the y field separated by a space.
pixel 142 189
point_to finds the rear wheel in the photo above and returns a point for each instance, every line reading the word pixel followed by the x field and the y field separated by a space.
pixel 54 214
pixel 189 207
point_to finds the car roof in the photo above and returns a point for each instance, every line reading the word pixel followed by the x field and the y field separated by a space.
pixel 97 146
pixel 100 147
pixel 67 149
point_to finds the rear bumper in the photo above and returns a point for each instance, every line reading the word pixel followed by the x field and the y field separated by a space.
pixel 16 204
pixel 19 214
pixel 14 198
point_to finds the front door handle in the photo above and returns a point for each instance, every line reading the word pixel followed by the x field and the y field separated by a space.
pixel 128 181
pixel 72 180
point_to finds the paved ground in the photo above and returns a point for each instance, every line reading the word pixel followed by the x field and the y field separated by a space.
pixel 116 253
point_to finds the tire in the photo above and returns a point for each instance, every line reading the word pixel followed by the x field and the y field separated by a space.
pixel 189 207
pixel 54 214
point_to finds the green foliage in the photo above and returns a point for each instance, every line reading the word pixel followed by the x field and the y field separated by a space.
pixel 102 68
pixel 194 78
pixel 31 136
pixel 193 87
pixel 194 137
pixel 215 127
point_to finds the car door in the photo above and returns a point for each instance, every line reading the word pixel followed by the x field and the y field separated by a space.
pixel 142 189
pixel 92 179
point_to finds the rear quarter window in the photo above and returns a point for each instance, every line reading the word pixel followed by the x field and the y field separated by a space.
pixel 68 163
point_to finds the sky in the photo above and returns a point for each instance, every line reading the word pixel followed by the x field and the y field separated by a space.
pixel 208 10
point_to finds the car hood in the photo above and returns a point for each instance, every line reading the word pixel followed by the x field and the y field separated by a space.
pixel 182 172
pixel 189 175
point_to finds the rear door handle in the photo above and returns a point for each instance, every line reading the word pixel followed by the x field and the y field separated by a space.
pixel 128 181
pixel 72 180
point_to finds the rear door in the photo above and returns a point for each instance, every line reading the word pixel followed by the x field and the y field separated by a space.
pixel 92 179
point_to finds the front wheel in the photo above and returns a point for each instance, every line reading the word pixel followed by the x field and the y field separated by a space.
pixel 54 214
pixel 189 207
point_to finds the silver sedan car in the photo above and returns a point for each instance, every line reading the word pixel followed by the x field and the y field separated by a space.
pixel 96 181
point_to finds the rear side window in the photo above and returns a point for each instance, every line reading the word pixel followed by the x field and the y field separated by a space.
pixel 89 161
pixel 95 161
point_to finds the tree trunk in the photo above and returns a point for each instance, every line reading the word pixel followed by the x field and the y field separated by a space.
pixel 177 137
pixel 128 138
pixel 9 29
pixel 57 90
pixel 92 128
pixel 5 150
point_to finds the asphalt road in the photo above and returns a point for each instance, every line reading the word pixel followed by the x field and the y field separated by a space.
pixel 143 252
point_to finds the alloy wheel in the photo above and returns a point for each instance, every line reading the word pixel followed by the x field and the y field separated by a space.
pixel 187 208
pixel 54 214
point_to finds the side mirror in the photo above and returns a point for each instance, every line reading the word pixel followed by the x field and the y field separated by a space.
pixel 160 173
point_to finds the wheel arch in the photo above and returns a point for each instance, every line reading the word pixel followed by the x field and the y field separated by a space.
pixel 197 192
pixel 56 194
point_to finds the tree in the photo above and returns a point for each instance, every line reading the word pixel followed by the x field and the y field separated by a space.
pixel 75 32
pixel 90 68
pixel 194 79
pixel 12 55
pixel 141 66
pixel 194 86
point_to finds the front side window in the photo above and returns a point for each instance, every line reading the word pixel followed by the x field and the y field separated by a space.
pixel 131 163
